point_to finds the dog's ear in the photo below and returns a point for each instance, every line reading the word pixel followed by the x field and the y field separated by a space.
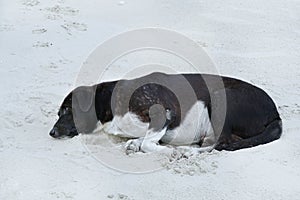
pixel 84 98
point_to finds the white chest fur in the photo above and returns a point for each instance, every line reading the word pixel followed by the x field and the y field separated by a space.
pixel 129 126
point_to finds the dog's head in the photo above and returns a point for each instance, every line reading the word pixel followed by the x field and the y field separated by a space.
pixel 76 114
pixel 65 125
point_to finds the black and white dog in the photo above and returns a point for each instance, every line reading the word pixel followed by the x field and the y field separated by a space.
pixel 152 115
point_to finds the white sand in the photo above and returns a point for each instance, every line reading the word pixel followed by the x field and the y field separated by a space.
pixel 42 46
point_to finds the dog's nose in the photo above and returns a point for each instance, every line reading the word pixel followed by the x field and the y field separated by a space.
pixel 53 132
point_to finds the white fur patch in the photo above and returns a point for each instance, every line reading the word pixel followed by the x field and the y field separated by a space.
pixel 195 125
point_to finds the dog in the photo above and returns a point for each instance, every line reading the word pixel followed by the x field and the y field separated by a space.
pixel 150 112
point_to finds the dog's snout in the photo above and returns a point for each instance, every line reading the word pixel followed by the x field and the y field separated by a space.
pixel 53 132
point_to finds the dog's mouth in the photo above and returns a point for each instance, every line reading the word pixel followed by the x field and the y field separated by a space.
pixel 61 137
pixel 57 135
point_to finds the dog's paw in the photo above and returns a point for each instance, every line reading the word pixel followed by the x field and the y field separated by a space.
pixel 133 146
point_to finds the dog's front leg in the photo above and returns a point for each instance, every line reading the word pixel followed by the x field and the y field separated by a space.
pixel 150 142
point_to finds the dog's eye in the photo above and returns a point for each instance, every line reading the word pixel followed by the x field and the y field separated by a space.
pixel 66 110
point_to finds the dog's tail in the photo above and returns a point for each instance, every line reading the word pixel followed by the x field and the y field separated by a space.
pixel 272 132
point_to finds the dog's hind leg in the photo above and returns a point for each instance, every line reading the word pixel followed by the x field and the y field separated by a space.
pixel 272 132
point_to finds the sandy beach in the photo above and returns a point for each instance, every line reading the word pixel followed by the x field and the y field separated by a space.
pixel 43 45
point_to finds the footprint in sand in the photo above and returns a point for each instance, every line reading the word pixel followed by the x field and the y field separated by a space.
pixel 30 2
pixel 62 10
pixel 119 196
pixel 39 31
pixel 194 165
pixel 62 195
pixel 29 119
pixel 71 26
pixel 42 44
